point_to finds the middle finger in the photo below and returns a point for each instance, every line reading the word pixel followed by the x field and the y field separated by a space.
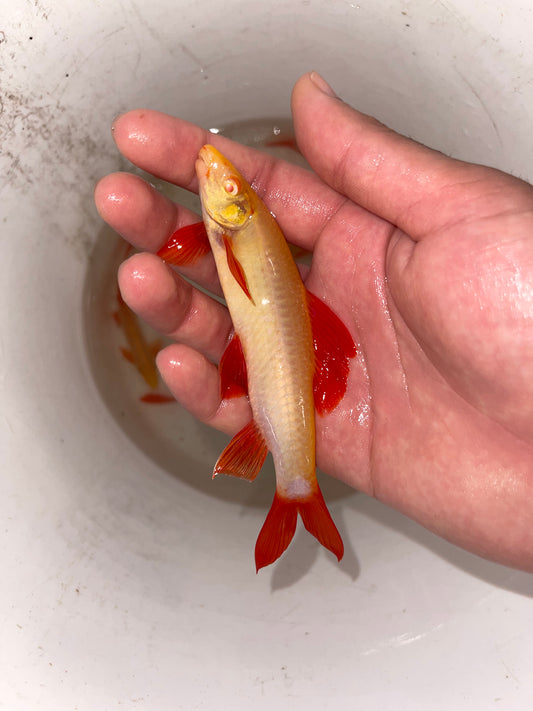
pixel 174 307
pixel 147 219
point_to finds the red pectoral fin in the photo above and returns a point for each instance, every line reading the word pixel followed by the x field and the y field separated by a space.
pixel 334 347
pixel 235 268
pixel 232 369
pixel 245 454
pixel 186 245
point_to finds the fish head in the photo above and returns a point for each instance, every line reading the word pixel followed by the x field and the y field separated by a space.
pixel 226 196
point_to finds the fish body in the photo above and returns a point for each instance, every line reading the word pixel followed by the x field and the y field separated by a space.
pixel 273 324
pixel 277 342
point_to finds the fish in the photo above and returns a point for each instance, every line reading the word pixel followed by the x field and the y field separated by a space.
pixel 140 353
pixel 289 353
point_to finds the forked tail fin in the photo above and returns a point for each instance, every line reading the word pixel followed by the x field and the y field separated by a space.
pixel 280 525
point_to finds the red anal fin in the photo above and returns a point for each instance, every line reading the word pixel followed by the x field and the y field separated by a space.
pixel 280 524
pixel 186 245
pixel 245 454
pixel 334 347
pixel 232 369
pixel 236 269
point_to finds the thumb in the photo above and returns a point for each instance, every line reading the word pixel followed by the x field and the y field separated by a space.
pixel 416 188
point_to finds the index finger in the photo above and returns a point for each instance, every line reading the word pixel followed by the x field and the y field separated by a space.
pixel 167 147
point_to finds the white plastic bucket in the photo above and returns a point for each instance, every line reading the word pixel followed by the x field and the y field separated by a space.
pixel 127 584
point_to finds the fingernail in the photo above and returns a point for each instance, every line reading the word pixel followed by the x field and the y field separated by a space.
pixel 322 84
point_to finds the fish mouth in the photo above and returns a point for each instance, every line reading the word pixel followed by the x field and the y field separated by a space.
pixel 210 166
pixel 208 159
pixel 206 163
pixel 202 165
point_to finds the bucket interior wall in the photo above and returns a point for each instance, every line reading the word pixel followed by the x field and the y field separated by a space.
pixel 128 575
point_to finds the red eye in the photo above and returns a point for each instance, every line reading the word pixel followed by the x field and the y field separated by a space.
pixel 232 186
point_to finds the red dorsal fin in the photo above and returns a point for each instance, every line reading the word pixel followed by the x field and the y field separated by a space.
pixel 245 454
pixel 280 524
pixel 232 370
pixel 186 245
pixel 235 268
pixel 334 347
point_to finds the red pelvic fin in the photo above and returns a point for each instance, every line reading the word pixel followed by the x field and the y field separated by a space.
pixel 280 525
pixel 334 347
pixel 186 245
pixel 235 268
pixel 232 369
pixel 245 454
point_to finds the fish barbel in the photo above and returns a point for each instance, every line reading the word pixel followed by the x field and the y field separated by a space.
pixel 273 355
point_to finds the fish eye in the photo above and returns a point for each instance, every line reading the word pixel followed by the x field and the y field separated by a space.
pixel 232 186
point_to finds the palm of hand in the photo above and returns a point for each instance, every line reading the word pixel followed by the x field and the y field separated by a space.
pixel 436 414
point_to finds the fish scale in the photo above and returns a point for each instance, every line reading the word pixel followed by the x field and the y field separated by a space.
pixel 281 397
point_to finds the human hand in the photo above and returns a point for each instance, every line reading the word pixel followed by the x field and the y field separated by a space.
pixel 429 263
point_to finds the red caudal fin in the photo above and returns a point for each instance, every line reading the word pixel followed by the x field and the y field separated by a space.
pixel 280 525
pixel 277 532
pixel 245 454
pixel 334 347
pixel 186 245
pixel 232 370
pixel 317 519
